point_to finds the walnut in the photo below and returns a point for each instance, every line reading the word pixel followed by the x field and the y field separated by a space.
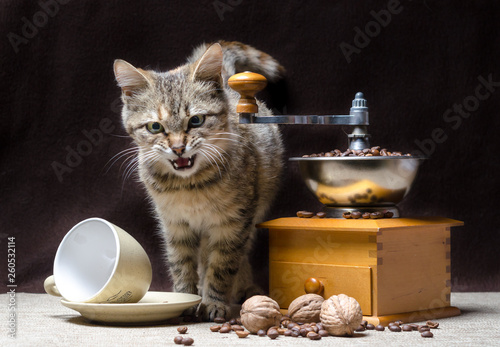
pixel 341 315
pixel 260 312
pixel 306 308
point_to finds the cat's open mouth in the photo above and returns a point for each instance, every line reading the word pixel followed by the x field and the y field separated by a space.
pixel 183 163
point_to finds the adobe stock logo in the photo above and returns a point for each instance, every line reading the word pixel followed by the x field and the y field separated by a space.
pixel 30 28
pixel 456 114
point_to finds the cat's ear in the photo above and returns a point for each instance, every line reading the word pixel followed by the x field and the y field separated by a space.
pixel 130 79
pixel 209 66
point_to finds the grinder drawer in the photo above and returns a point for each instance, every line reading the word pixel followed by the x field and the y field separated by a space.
pixel 287 280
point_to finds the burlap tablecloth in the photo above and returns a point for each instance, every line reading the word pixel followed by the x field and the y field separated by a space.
pixel 42 321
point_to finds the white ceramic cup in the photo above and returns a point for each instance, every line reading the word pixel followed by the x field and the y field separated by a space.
pixel 98 262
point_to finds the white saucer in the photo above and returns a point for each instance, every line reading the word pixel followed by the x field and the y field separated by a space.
pixel 154 307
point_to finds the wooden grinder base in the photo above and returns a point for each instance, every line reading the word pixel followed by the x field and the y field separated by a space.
pixel 397 269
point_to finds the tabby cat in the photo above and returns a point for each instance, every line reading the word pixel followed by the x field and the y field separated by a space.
pixel 210 178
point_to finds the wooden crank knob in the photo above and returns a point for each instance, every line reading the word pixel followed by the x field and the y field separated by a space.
pixel 247 84
pixel 313 286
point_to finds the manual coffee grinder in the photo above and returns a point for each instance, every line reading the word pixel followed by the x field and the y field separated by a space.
pixel 396 268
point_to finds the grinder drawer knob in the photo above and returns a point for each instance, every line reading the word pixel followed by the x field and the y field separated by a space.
pixel 314 286
pixel 247 84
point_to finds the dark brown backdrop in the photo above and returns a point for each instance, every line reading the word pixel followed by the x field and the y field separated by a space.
pixel 421 64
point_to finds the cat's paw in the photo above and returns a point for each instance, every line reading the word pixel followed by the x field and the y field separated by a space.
pixel 213 309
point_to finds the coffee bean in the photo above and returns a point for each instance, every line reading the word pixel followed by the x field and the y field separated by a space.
pixel 414 326
pixel 295 333
pixel 431 324
pixel 360 328
pixel 272 334
pixel 329 154
pixel 287 332
pixel 356 214
pixel 423 328
pixel 237 327
pixel 219 320
pixel 380 327
pixel 375 152
pixel 261 333
pixel 232 321
pixel 242 333
pixel 187 341
pixel 347 215
pixel 399 322
pixel 395 328
pixel 370 327
pixel 238 321
pixel 303 332
pixel 321 214
pixel 178 340
pixel 366 215
pixel 313 336
pixel 307 214
pixel 291 325
pixel 215 328
pixel 225 330
pixel 323 333
pixel 182 330
pixel 376 215
pixel 320 326
pixel 281 331
pixel 427 333
pixel 407 327
pixel 388 214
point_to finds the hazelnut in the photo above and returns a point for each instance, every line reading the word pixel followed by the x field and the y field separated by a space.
pixel 341 315
pixel 260 312
pixel 306 308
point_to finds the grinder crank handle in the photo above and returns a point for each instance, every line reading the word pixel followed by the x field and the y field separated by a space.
pixel 247 84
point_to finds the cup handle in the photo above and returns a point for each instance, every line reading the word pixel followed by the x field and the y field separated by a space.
pixel 50 286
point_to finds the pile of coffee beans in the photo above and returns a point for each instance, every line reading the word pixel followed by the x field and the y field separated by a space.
pixel 308 214
pixel 399 326
pixel 312 331
pixel 180 340
pixel 367 215
pixel 375 151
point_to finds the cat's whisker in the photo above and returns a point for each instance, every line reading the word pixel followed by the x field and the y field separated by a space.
pixel 133 163
pixel 232 140
pixel 229 133
pixel 210 160
pixel 215 151
pixel 216 160
pixel 118 156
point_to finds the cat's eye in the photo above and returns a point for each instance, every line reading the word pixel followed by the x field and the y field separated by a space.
pixel 196 121
pixel 155 127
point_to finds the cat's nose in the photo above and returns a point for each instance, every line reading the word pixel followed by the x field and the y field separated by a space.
pixel 179 150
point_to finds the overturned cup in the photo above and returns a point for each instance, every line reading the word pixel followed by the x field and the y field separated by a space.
pixel 98 262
